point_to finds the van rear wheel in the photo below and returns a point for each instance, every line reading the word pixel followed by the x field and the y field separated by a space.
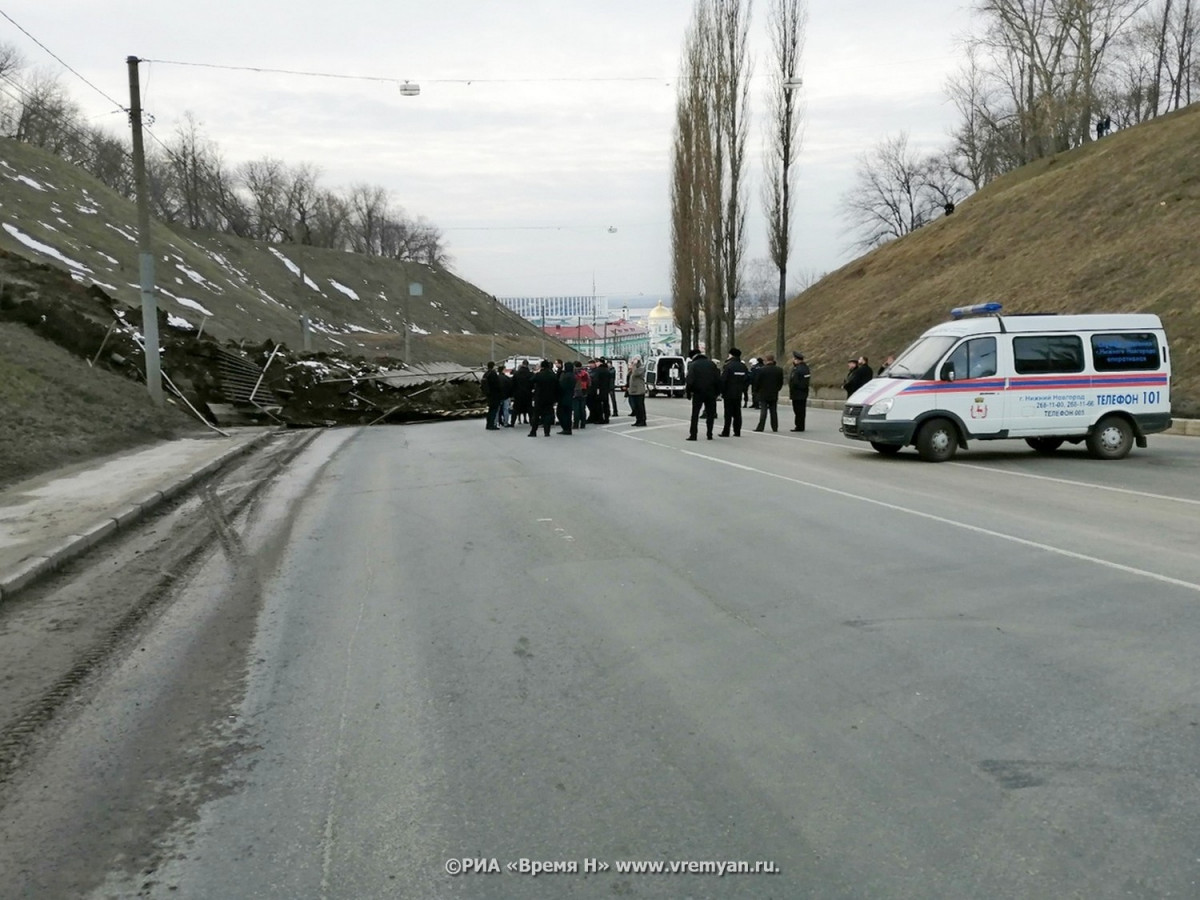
pixel 1044 444
pixel 937 440
pixel 1112 438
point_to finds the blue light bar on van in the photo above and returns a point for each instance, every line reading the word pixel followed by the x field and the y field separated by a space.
pixel 978 309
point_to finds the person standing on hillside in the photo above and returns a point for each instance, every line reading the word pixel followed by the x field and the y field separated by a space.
pixel 702 384
pixel 734 378
pixel 545 394
pixel 769 383
pixel 798 380
pixel 493 393
pixel 635 390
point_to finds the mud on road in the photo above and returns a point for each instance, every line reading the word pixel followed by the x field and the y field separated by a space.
pixel 57 636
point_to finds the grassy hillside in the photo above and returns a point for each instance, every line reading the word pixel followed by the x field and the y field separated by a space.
pixel 54 213
pixel 57 410
pixel 1111 227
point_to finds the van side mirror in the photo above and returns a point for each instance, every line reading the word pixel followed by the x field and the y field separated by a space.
pixel 948 372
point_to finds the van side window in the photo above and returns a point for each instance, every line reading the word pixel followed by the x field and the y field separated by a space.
pixel 1125 352
pixel 975 358
pixel 1048 353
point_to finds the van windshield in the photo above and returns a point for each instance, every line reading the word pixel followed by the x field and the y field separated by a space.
pixel 919 359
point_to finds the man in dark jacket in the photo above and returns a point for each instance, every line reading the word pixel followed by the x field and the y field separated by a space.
pixel 522 393
pixel 734 378
pixel 754 369
pixel 545 395
pixel 769 383
pixel 702 384
pixel 493 392
pixel 604 376
pixel 595 378
pixel 798 380
pixel 858 374
pixel 566 398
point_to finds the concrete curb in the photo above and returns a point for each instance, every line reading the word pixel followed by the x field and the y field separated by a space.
pixel 34 568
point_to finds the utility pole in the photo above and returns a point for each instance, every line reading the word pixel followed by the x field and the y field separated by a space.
pixel 494 304
pixel 145 254
pixel 414 290
pixel 543 329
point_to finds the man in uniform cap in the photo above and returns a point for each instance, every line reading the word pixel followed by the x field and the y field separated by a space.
pixel 734 378
pixel 798 380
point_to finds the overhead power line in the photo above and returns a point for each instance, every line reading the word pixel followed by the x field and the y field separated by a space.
pixel 64 64
pixel 391 80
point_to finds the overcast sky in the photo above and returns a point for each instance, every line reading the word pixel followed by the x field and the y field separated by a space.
pixel 541 126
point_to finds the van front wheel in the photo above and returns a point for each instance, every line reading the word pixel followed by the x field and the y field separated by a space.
pixel 886 449
pixel 1112 438
pixel 937 440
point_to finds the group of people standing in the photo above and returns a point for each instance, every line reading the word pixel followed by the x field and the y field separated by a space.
pixel 570 393
pixel 576 395
pixel 705 383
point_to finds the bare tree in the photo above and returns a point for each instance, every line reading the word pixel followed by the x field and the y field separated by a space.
pixel 301 195
pixel 330 225
pixel 707 192
pixel 760 290
pixel 690 211
pixel 369 212
pixel 735 69
pixel 109 160
pixel 896 192
pixel 200 180
pixel 265 183
pixel 46 117
pixel 786 23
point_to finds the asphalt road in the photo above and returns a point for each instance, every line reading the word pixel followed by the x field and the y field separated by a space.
pixel 874 676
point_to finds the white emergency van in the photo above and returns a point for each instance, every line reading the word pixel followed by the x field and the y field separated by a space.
pixel 1050 379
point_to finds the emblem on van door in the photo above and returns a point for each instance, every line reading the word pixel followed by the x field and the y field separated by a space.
pixel 978 410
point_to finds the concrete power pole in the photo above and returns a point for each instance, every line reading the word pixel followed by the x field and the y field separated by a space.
pixel 495 303
pixel 414 290
pixel 145 254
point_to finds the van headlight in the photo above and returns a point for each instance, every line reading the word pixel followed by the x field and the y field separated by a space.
pixel 882 408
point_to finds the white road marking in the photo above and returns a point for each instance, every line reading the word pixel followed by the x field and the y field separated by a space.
pixel 855 447
pixel 1083 484
pixel 1012 538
